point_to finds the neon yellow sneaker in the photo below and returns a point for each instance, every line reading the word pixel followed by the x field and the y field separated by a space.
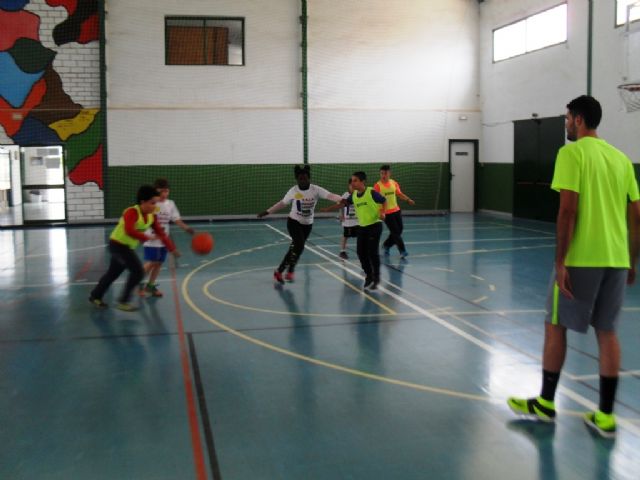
pixel 601 423
pixel 533 408
pixel 127 307
pixel 98 303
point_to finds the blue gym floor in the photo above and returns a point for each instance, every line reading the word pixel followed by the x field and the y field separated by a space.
pixel 229 377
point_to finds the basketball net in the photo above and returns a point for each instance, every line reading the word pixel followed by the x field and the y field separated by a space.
pixel 630 91
pixel 630 94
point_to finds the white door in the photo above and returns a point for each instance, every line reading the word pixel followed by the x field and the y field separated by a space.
pixel 16 177
pixel 462 163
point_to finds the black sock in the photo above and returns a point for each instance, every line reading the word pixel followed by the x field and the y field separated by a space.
pixel 608 387
pixel 549 384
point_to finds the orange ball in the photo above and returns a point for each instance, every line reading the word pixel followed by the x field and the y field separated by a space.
pixel 202 243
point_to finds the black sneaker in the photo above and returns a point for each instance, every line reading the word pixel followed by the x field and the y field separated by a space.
pixel 367 282
pixel 343 255
pixel 98 303
pixel 374 285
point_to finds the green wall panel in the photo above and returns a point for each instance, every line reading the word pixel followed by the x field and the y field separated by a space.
pixel 247 189
pixel 494 187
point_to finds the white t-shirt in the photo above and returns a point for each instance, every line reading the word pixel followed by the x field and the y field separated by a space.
pixel 167 212
pixel 303 202
pixel 349 213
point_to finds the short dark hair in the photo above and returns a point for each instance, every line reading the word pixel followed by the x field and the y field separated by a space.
pixel 385 167
pixel 361 176
pixel 588 108
pixel 161 183
pixel 300 169
pixel 145 193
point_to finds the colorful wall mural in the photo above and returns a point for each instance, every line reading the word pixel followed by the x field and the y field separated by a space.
pixel 44 89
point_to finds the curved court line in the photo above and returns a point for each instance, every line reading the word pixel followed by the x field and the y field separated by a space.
pixel 206 290
pixel 629 423
pixel 322 363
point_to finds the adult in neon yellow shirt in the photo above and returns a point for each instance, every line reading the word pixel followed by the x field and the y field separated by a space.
pixel 596 254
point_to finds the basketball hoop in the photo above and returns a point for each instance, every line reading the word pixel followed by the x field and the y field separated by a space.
pixel 630 94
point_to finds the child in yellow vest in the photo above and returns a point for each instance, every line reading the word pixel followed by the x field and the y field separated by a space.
pixel 370 207
pixel 393 217
pixel 123 240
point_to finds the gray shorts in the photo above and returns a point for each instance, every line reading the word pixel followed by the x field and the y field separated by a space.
pixel 598 297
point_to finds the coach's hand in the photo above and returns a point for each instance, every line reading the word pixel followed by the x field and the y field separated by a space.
pixel 631 276
pixel 563 281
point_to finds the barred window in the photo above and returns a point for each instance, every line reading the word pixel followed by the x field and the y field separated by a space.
pixel 204 41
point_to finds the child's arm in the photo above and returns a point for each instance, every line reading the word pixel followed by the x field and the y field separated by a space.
pixel 162 235
pixel 272 209
pixel 382 200
pixel 130 217
pixel 333 207
pixel 402 196
pixel 184 226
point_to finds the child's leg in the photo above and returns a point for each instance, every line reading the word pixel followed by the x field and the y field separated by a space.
pixel 116 267
pixel 343 244
pixel 154 272
pixel 136 273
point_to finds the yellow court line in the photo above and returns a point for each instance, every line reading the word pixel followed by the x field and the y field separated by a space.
pixel 359 373
pixel 207 292
pixel 365 295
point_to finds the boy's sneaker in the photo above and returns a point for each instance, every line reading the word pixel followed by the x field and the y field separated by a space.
pixel 374 285
pixel 533 408
pixel 98 303
pixel 127 307
pixel 601 423
pixel 289 276
pixel 367 282
pixel 404 254
pixel 343 255
pixel 153 290
pixel 277 276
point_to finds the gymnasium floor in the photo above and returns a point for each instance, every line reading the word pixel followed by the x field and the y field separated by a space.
pixel 228 377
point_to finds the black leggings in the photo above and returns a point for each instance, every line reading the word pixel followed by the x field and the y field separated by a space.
pixel 368 250
pixel 122 258
pixel 394 223
pixel 299 234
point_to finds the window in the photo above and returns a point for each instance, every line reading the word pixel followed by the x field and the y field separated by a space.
pixel 621 11
pixel 204 41
pixel 532 33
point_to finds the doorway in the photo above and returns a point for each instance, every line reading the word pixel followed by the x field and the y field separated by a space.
pixel 536 144
pixel 462 167
pixel 32 185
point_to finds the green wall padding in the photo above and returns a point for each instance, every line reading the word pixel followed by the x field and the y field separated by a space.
pixel 202 190
pixel 494 187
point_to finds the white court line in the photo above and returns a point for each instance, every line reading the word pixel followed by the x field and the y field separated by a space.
pixel 477 277
pixel 480 300
pixel 468 252
pixel 403 300
pixel 596 376
pixel 48 254
pixel 576 397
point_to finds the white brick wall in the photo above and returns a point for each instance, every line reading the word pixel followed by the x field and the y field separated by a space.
pixel 84 202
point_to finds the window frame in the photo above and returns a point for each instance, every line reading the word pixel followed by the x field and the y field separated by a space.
pixel 524 19
pixel 204 19
pixel 615 17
